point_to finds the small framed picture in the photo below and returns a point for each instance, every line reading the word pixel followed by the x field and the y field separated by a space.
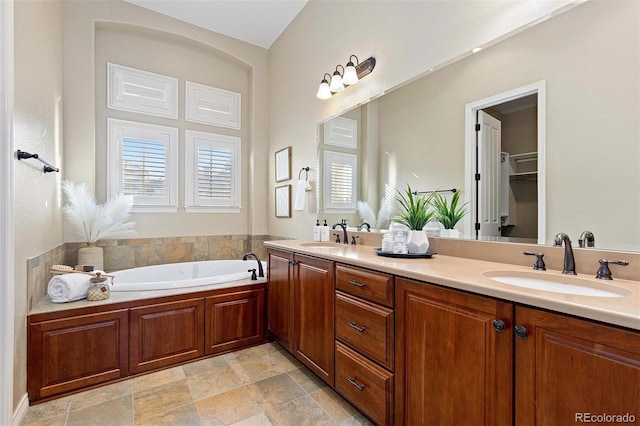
pixel 283 201
pixel 283 164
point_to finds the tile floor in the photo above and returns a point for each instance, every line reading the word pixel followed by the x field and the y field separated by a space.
pixel 263 385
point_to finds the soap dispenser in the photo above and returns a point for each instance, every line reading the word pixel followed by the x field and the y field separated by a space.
pixel 316 231
pixel 325 234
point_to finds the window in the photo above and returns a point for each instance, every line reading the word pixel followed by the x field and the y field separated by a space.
pixel 341 175
pixel 212 173
pixel 142 160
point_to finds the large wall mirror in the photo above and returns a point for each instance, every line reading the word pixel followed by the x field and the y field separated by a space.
pixel 587 58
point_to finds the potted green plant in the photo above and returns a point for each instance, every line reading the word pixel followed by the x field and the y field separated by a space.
pixel 415 213
pixel 449 213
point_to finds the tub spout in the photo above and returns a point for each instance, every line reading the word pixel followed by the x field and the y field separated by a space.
pixel 260 270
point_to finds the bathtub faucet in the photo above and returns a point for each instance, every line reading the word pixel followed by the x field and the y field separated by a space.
pixel 260 270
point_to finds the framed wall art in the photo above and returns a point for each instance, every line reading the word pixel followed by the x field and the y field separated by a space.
pixel 283 164
pixel 283 201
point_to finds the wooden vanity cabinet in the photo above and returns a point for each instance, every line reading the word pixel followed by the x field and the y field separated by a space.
pixel 67 354
pixel 280 297
pixel 234 320
pixel 452 365
pixel 301 309
pixel 568 367
pixel 314 315
pixel 166 333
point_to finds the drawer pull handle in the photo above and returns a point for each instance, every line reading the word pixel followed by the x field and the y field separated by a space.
pixel 355 326
pixel 354 383
pixel 356 283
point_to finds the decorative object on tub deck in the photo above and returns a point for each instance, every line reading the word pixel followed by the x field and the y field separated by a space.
pixel 415 212
pixel 47 168
pixel 68 287
pixel 448 213
pixel 99 289
pixel 96 221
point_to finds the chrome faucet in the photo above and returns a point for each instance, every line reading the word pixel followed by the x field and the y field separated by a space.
pixel 260 270
pixel 586 239
pixel 344 230
pixel 569 262
pixel 362 225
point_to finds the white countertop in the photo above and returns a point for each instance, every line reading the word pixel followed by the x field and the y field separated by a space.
pixel 467 274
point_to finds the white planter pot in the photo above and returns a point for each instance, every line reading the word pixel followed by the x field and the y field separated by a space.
pixel 91 255
pixel 450 233
pixel 418 242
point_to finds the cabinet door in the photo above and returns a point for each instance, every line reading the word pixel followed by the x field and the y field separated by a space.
pixel 166 334
pixel 280 298
pixel 72 353
pixel 452 366
pixel 234 320
pixel 568 369
pixel 314 311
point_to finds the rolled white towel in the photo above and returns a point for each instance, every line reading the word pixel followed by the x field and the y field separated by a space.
pixel 68 287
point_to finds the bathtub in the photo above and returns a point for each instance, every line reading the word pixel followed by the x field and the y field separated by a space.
pixel 185 275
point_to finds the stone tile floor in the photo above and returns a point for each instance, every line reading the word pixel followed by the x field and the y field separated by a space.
pixel 263 385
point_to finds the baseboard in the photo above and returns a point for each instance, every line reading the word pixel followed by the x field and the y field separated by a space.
pixel 20 412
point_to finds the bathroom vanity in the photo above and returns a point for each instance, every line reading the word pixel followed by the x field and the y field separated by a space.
pixel 440 341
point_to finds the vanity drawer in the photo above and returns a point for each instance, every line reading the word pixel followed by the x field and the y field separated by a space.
pixel 366 327
pixel 364 384
pixel 374 286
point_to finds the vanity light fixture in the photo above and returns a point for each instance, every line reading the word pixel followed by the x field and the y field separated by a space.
pixel 323 91
pixel 349 76
pixel 336 81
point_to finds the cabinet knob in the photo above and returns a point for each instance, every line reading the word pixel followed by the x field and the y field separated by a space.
pixel 355 384
pixel 355 326
pixel 499 326
pixel 521 332
pixel 292 263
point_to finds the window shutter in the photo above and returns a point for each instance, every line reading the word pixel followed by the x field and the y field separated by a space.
pixel 212 172
pixel 142 161
pixel 144 167
pixel 341 182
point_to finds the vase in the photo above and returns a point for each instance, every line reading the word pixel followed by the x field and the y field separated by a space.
pixel 418 242
pixel 91 255
pixel 450 233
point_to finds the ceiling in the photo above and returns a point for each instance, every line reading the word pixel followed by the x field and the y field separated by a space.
pixel 258 22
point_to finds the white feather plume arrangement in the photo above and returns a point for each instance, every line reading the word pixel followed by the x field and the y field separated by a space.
pixel 366 213
pixel 97 221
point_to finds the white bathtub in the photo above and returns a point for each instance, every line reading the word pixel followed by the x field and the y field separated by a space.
pixel 184 275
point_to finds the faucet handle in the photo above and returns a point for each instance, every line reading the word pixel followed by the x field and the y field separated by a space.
pixel 538 265
pixel 335 234
pixel 254 277
pixel 604 273
pixel 353 239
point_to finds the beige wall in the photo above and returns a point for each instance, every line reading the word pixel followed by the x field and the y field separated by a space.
pixel 163 53
pixel 37 129
pixel 406 38
pixel 198 52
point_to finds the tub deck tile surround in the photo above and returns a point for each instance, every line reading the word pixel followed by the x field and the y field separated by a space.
pixel 285 394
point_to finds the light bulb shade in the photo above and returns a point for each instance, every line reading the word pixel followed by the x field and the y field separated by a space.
pixel 350 74
pixel 336 83
pixel 323 91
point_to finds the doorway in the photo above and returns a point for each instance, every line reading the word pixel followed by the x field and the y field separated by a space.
pixel 504 165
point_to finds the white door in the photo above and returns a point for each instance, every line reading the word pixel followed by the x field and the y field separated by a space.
pixel 489 146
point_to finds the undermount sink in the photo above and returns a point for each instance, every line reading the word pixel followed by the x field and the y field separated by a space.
pixel 558 284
